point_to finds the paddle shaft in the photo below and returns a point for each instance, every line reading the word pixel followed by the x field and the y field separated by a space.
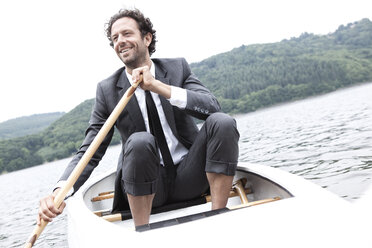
pixel 86 158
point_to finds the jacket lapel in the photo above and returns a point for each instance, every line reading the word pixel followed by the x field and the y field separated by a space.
pixel 160 74
pixel 132 106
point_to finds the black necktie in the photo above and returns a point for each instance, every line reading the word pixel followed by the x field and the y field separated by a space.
pixel 157 130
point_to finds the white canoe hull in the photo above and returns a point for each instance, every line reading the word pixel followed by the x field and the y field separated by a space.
pixel 306 216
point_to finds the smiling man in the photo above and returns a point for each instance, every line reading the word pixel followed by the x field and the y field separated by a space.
pixel 165 158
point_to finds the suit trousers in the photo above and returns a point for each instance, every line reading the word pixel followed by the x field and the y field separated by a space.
pixel 214 150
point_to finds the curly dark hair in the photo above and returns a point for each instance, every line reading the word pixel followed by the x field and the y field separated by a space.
pixel 144 25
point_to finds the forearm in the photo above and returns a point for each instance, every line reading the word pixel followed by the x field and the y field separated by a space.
pixel 161 88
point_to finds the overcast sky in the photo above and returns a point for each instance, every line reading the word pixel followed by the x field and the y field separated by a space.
pixel 53 53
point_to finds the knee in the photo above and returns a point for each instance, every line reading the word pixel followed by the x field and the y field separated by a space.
pixel 140 142
pixel 140 158
pixel 222 122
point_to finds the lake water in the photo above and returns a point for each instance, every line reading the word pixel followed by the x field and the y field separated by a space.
pixel 325 139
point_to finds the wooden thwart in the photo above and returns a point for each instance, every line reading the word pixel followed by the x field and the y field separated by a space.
pixel 109 195
pixel 118 217
pixel 254 203
pixel 112 217
pixel 102 196
pixel 105 193
pixel 237 190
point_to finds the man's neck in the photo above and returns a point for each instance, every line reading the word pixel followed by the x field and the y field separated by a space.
pixel 129 75
pixel 130 69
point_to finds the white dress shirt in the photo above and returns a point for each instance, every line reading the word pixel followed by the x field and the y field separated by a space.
pixel 179 99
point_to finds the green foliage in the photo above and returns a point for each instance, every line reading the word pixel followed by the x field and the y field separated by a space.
pixel 244 79
pixel 16 151
pixel 27 125
pixel 61 139
pixel 251 77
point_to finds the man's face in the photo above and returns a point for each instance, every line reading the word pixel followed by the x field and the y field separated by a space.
pixel 128 43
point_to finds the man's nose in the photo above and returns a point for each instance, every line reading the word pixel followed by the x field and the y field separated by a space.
pixel 120 40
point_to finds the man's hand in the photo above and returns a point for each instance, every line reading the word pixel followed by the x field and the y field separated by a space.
pixel 47 210
pixel 150 83
pixel 148 80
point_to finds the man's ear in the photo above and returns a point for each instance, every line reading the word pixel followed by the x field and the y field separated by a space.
pixel 148 39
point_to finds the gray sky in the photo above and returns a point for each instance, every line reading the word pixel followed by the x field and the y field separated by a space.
pixel 53 53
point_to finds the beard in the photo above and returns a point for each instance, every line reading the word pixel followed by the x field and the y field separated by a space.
pixel 135 59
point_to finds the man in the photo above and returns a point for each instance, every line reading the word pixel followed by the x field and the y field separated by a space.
pixel 177 163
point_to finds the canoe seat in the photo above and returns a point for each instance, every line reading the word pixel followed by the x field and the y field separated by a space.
pixel 237 190
pixel 238 186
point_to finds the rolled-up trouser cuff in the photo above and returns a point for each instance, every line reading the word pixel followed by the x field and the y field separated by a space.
pixel 140 189
pixel 225 168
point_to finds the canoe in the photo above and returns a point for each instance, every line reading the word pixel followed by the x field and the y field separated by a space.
pixel 274 209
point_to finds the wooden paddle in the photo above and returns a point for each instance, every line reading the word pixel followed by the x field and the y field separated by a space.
pixel 86 158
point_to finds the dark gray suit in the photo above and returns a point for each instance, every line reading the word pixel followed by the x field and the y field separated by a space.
pixel 200 104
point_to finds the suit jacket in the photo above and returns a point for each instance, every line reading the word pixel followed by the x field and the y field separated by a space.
pixel 200 104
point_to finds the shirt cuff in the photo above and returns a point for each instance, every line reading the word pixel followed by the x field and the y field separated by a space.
pixel 61 184
pixel 178 97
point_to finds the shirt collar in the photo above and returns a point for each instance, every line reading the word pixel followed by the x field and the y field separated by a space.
pixel 152 71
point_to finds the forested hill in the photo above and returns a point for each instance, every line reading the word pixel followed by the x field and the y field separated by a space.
pixel 27 125
pixel 244 79
pixel 60 140
pixel 255 76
